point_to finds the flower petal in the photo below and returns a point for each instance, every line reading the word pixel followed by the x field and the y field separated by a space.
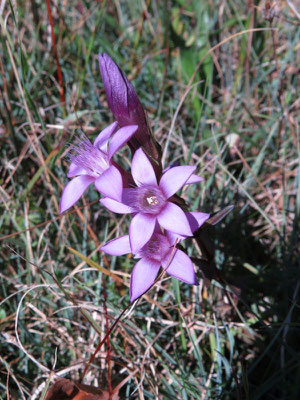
pixel 75 170
pixel 194 179
pixel 196 219
pixel 142 277
pixel 120 138
pixel 115 206
pixel 181 267
pixel 102 139
pixel 141 230
pixel 174 237
pixel 74 190
pixel 110 183
pixel 175 178
pixel 127 196
pixel 118 246
pixel 174 219
pixel 142 170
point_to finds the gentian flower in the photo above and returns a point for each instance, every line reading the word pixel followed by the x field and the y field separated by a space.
pixel 149 201
pixel 158 252
pixel 126 106
pixel 92 163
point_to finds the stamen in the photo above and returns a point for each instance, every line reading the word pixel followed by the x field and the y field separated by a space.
pixel 147 199
pixel 152 200
pixel 89 157
pixel 157 248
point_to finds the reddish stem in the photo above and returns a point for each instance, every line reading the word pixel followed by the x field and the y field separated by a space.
pixel 102 342
pixel 108 340
pixel 60 80
pixel 108 332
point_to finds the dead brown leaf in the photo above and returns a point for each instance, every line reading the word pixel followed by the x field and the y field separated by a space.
pixel 64 389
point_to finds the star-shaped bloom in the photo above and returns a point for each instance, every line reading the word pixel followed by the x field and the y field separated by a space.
pixel 148 201
pixel 158 252
pixel 92 163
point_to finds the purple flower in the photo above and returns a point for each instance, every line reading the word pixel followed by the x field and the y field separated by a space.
pixel 92 163
pixel 158 252
pixel 125 104
pixel 192 179
pixel 149 201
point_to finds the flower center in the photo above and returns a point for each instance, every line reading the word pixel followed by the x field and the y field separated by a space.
pixel 147 199
pixel 157 248
pixel 90 158
pixel 152 200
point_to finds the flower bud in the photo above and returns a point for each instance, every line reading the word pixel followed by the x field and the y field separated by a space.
pixel 127 108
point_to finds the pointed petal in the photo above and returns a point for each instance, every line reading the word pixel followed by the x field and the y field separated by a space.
pixel 74 170
pixel 126 176
pixel 115 206
pixel 118 246
pixel 142 170
pixel 102 139
pixel 174 164
pixel 181 267
pixel 142 277
pixel 120 138
pixel 173 219
pixel 110 183
pixel 141 230
pixel 196 219
pixel 194 179
pixel 174 237
pixel 74 190
pixel 175 178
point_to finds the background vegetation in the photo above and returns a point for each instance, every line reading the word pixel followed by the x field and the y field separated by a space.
pixel 232 111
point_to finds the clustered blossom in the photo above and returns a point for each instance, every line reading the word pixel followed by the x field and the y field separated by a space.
pixel 147 193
